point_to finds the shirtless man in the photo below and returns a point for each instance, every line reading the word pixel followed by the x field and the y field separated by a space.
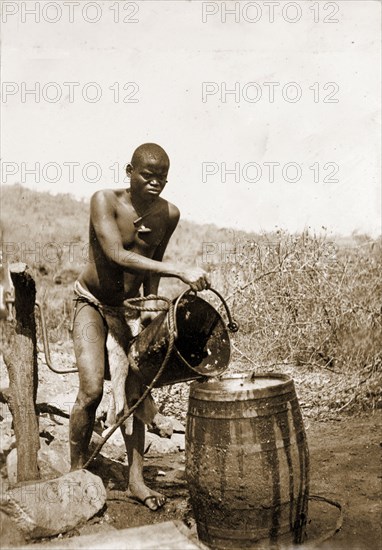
pixel 125 252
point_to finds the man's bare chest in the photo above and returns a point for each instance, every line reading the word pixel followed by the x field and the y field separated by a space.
pixel 142 233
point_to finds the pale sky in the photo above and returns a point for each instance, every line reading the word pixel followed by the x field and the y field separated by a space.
pixel 332 54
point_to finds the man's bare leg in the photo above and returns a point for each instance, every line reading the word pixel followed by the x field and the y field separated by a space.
pixel 81 428
pixel 135 446
pixel 89 346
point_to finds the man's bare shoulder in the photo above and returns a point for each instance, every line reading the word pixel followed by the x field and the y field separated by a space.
pixel 108 194
pixel 107 198
pixel 173 211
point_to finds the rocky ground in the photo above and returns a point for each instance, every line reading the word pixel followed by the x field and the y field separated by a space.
pixel 345 458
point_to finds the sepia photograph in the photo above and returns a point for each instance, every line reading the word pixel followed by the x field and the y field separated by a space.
pixel 190 274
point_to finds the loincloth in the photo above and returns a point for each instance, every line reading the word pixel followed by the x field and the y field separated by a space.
pixel 122 325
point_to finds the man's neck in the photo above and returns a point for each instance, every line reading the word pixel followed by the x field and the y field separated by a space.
pixel 141 205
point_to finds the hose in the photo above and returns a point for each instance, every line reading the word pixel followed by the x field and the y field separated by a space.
pixel 46 344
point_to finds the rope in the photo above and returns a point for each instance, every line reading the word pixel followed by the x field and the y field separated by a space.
pixel 331 532
pixel 171 323
pixel 131 304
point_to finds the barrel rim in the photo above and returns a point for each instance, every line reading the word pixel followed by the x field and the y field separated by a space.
pixel 197 391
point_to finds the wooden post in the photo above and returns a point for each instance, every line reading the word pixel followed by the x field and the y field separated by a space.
pixel 20 357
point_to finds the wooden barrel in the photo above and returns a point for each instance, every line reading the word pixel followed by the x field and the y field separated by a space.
pixel 247 461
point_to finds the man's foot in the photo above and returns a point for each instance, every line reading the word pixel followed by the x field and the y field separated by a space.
pixel 153 500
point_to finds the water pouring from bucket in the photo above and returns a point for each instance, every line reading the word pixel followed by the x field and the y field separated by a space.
pixel 202 344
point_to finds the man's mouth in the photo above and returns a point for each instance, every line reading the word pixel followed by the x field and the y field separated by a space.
pixel 151 189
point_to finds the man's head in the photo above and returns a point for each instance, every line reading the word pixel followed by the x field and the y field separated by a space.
pixel 150 151
pixel 148 170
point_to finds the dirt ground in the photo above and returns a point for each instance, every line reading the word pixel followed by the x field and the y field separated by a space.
pixel 345 467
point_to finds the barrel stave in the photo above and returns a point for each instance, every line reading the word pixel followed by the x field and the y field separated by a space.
pixel 247 464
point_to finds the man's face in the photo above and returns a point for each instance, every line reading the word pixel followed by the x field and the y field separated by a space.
pixel 148 176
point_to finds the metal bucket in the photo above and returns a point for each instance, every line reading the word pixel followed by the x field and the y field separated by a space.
pixel 202 346
pixel 247 462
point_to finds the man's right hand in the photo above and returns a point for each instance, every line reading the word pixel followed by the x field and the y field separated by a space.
pixel 196 277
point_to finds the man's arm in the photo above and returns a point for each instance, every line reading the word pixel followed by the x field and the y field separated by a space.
pixel 102 214
pixel 151 282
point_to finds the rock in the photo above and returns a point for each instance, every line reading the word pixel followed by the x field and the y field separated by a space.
pixel 53 459
pixel 5 413
pixel 10 534
pixel 177 426
pixel 164 535
pixel 3 487
pixel 7 440
pixel 52 462
pixel 4 378
pixel 114 474
pixel 97 529
pixel 46 508
pixel 114 447
pixel 155 445
pixel 12 466
pixel 54 428
pixel 7 437
pixel 179 440
pixel 161 426
pixel 116 438
pixel 63 401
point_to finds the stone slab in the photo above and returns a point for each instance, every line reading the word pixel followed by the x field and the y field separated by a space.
pixel 168 535
pixel 47 508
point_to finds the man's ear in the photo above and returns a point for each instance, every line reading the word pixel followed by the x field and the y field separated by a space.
pixel 129 169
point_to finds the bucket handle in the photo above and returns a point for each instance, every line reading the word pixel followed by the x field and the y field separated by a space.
pixel 232 325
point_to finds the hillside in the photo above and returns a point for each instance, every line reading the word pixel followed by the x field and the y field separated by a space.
pixel 31 220
pixel 302 301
